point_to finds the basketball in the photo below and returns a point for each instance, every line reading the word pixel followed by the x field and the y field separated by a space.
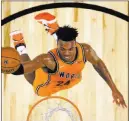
pixel 10 60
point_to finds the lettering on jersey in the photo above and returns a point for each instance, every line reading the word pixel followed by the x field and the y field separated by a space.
pixel 61 74
pixel 72 76
pixel 61 83
pixel 68 75
pixel 67 83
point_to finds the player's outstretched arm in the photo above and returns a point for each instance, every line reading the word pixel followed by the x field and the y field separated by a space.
pixel 100 67
pixel 43 60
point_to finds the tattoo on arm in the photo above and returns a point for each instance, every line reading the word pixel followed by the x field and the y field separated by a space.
pixel 99 66
pixel 103 71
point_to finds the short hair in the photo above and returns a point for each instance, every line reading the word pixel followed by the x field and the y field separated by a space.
pixel 66 33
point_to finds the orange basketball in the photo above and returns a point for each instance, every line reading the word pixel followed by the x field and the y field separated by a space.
pixel 10 60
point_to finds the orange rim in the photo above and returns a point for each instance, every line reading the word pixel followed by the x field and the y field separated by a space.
pixel 50 97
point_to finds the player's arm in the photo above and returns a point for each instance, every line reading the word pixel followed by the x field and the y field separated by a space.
pixel 43 60
pixel 100 67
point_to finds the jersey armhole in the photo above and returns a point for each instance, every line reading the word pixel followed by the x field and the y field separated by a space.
pixel 83 53
pixel 57 65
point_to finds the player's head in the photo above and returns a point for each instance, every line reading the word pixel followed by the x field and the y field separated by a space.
pixel 67 42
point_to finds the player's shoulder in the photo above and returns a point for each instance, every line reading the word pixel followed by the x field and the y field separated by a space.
pixel 52 50
pixel 51 54
pixel 45 57
pixel 86 47
pixel 48 60
pixel 49 57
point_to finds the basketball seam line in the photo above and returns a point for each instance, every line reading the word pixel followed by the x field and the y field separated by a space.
pixel 10 67
pixel 11 57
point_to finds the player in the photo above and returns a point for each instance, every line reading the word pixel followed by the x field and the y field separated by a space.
pixel 61 67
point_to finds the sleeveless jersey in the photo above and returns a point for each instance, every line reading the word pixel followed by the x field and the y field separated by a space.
pixel 66 76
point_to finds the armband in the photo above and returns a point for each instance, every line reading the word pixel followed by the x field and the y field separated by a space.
pixel 20 71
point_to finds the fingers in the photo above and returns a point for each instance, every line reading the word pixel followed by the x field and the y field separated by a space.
pixel 117 102
pixel 120 101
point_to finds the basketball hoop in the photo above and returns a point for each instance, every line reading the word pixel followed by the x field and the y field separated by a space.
pixel 54 108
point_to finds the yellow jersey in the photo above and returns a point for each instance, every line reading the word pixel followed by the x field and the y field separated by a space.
pixel 67 74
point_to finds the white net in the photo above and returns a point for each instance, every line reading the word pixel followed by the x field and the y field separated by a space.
pixel 55 109
pixel 50 113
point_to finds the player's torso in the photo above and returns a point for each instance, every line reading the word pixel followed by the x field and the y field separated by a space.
pixel 66 75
